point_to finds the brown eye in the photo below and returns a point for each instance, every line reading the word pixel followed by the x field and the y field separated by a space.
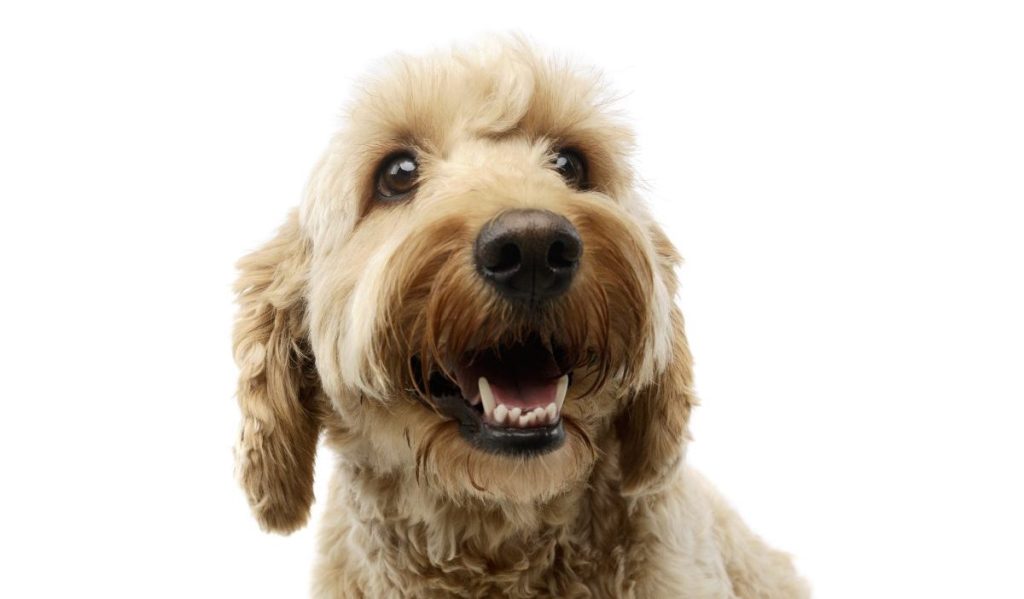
pixel 572 167
pixel 398 176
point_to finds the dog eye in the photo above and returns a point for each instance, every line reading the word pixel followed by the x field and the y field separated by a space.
pixel 572 167
pixel 398 176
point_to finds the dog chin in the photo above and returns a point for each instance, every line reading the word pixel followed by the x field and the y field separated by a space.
pixel 462 470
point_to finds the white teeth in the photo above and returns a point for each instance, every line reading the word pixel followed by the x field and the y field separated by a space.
pixel 533 418
pixel 539 415
pixel 501 414
pixel 486 395
pixel 563 386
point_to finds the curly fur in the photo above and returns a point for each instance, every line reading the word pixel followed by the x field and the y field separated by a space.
pixel 334 308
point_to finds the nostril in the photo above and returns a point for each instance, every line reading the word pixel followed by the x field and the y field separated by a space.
pixel 508 258
pixel 563 253
pixel 558 256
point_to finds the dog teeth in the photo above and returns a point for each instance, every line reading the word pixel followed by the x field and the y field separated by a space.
pixel 563 386
pixel 551 413
pixel 486 396
pixel 500 414
pixel 534 419
pixel 540 416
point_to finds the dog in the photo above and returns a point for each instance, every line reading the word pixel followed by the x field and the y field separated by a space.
pixel 474 308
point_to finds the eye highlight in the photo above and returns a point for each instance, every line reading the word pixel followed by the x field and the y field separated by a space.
pixel 571 165
pixel 398 177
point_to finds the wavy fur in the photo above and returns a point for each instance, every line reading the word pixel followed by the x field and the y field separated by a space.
pixel 336 310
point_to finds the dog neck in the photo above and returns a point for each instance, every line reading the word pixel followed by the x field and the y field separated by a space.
pixel 427 543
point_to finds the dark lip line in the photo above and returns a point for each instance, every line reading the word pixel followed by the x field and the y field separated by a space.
pixel 513 442
pixel 442 395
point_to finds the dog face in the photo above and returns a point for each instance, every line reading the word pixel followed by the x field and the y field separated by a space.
pixel 472 299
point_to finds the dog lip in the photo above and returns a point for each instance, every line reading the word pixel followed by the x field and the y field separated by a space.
pixel 519 442
pixel 525 375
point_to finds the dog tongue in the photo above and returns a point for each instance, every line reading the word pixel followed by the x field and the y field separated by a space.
pixel 524 376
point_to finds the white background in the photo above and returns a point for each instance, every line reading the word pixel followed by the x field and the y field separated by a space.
pixel 845 180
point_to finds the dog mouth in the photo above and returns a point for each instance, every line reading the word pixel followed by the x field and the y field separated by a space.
pixel 507 399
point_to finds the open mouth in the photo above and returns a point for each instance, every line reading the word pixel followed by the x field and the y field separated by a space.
pixel 507 399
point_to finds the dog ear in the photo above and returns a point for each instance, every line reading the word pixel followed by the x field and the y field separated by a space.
pixel 652 428
pixel 278 390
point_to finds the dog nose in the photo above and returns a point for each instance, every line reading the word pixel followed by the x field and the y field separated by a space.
pixel 528 255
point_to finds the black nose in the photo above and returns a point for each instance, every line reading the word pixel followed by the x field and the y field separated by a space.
pixel 529 255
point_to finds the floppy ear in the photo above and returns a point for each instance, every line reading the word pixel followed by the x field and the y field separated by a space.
pixel 652 428
pixel 278 390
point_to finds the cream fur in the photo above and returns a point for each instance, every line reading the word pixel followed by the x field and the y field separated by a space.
pixel 334 308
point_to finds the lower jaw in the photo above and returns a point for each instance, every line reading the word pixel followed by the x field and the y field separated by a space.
pixel 516 442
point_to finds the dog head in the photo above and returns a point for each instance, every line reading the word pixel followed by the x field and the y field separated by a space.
pixel 471 299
